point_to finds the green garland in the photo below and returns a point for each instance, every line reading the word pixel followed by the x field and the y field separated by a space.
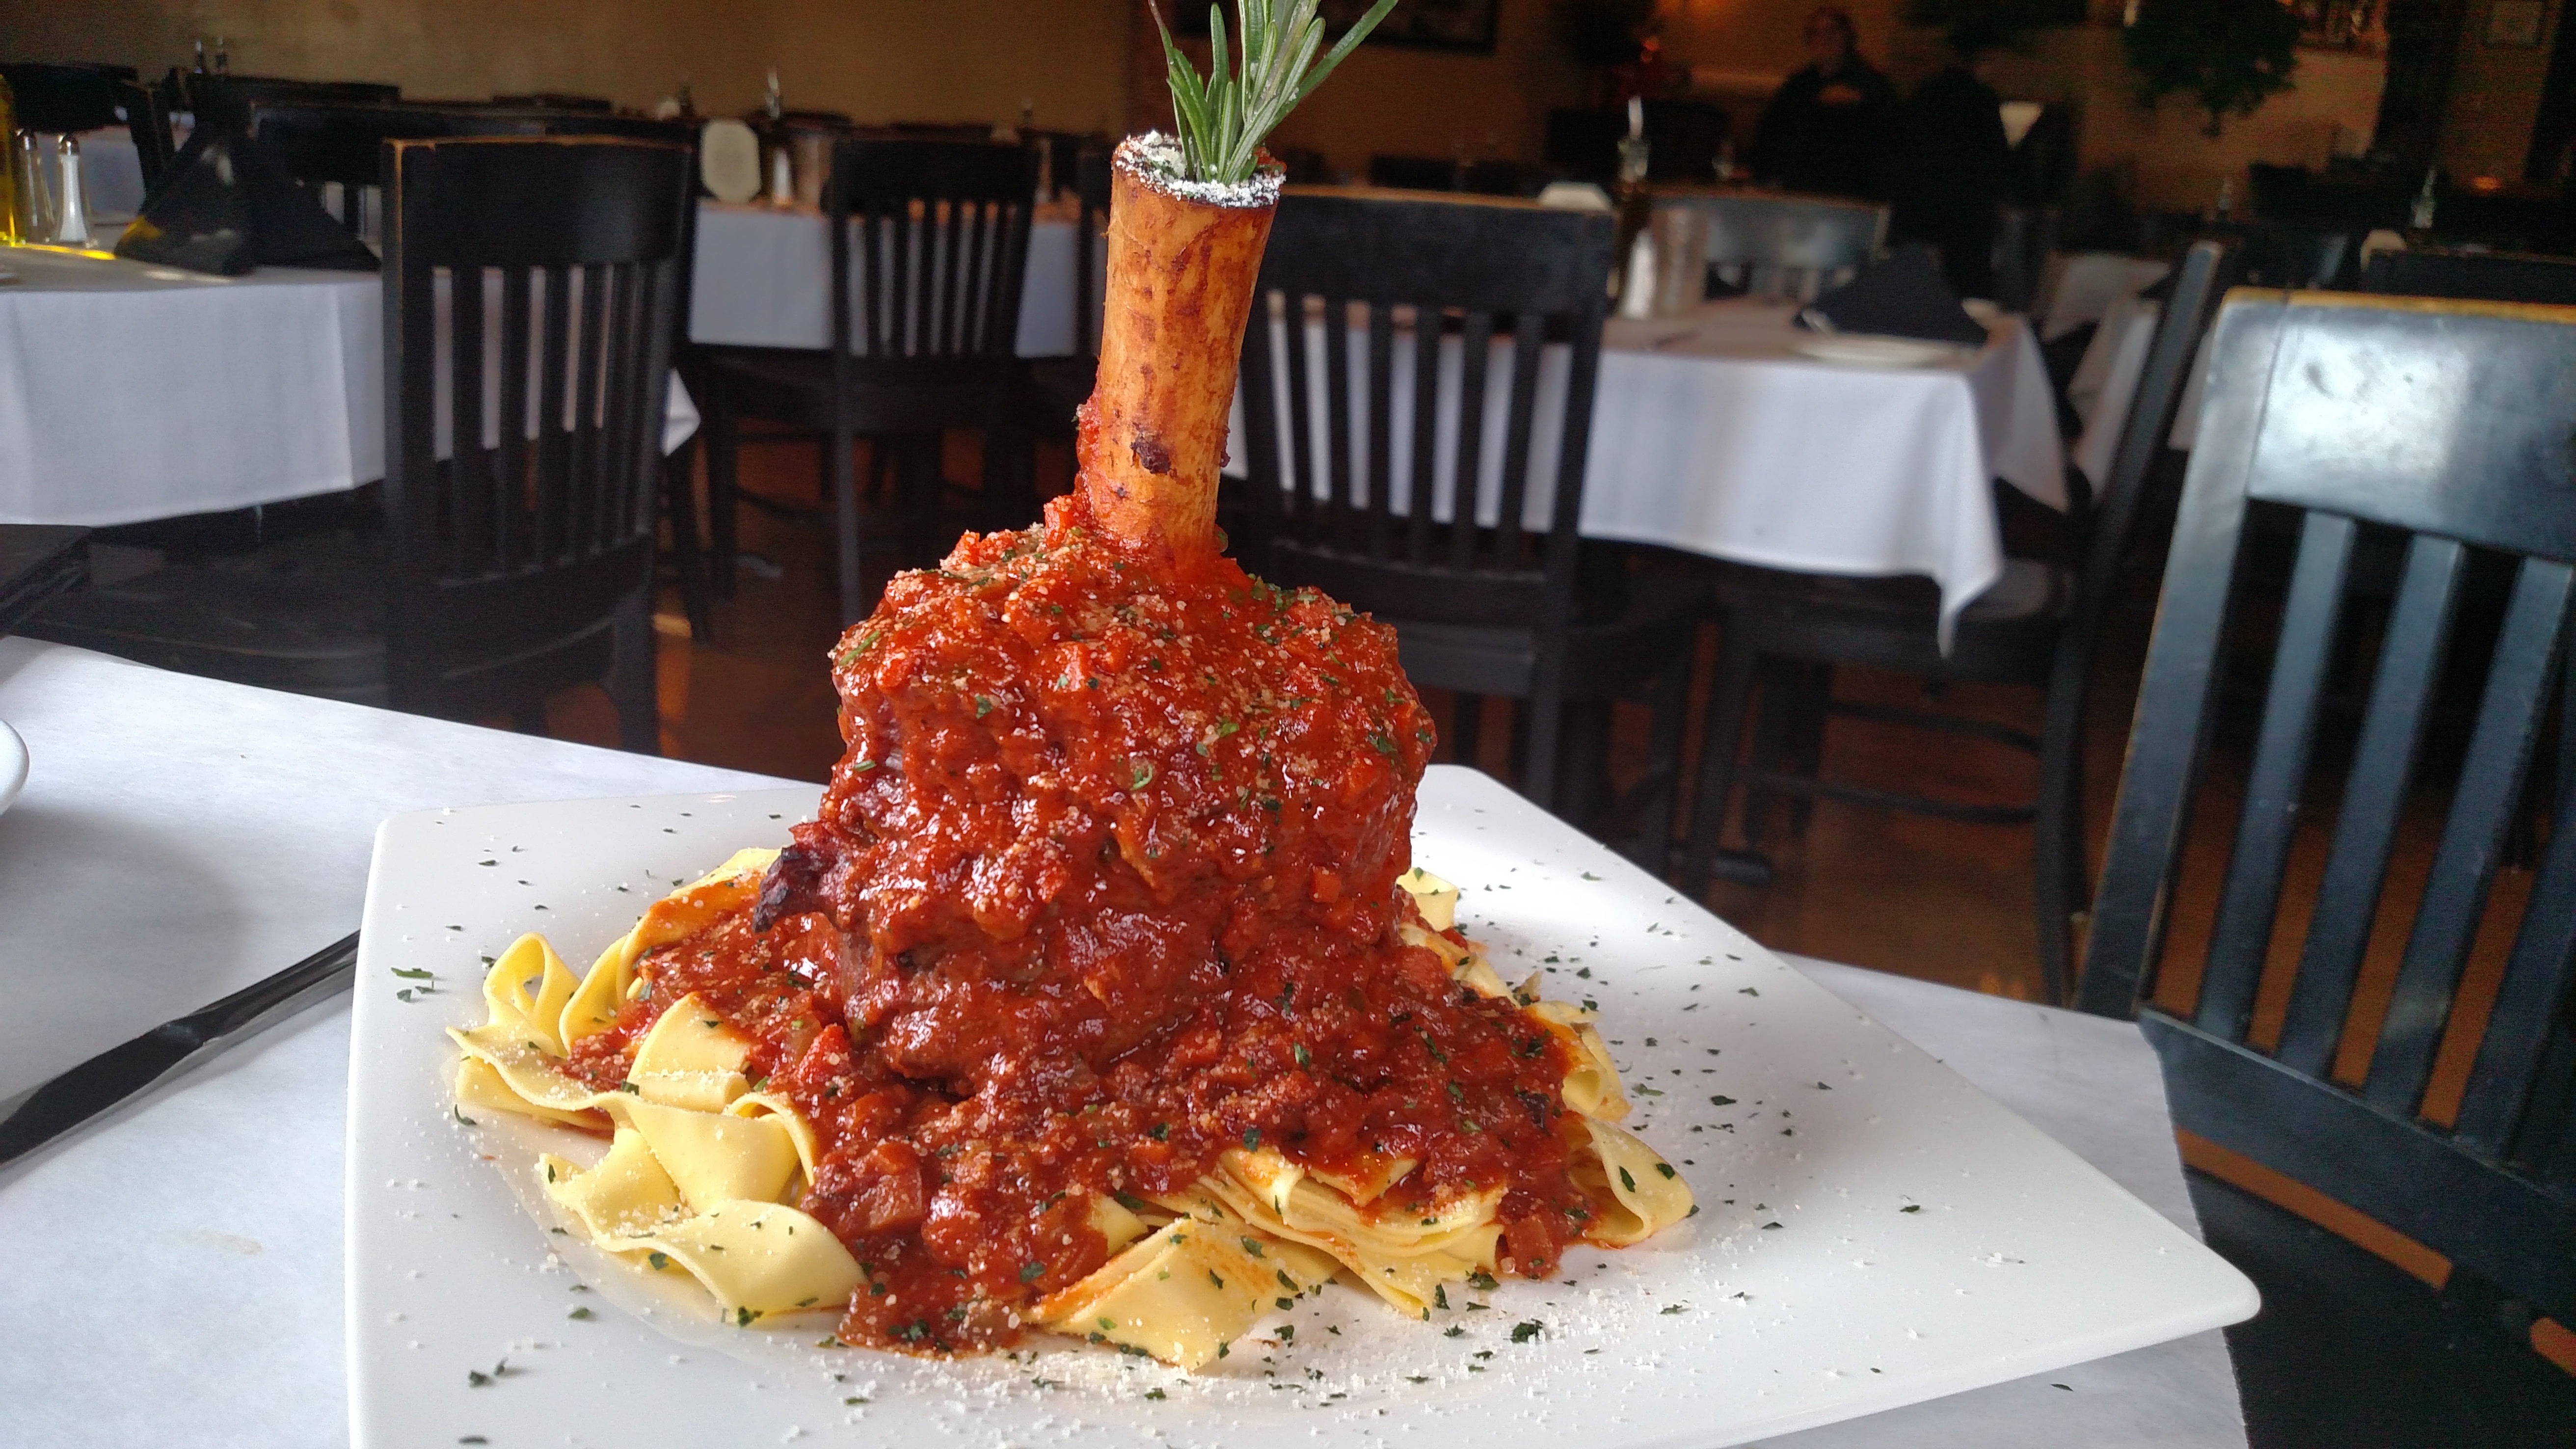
pixel 1222 118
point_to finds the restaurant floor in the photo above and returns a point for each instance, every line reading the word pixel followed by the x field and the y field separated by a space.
pixel 1935 899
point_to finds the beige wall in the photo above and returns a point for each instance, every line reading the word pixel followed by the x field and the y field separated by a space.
pixel 2495 96
pixel 876 59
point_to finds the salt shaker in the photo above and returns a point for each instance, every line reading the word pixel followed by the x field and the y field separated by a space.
pixel 71 201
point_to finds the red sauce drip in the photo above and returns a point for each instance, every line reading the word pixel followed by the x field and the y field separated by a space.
pixel 1104 886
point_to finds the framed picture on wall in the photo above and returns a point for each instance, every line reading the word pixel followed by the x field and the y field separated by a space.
pixel 1466 26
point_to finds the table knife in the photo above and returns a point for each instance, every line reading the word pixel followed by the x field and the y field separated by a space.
pixel 121 1071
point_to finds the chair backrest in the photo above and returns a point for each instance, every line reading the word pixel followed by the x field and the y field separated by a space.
pixel 336 150
pixel 2476 276
pixel 2289 254
pixel 1416 173
pixel 1091 189
pixel 532 287
pixel 2447 423
pixel 1783 246
pixel 223 101
pixel 62 99
pixel 943 234
pixel 558 101
pixel 1444 525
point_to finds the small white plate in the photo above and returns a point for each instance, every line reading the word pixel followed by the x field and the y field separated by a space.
pixel 1873 1231
pixel 1865 351
pixel 13 764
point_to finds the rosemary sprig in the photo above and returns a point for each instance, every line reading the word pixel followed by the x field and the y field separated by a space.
pixel 1222 118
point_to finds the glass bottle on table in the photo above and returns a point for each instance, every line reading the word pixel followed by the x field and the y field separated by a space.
pixel 8 166
pixel 1635 204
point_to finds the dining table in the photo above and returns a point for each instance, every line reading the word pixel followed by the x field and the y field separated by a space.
pixel 763 276
pixel 131 392
pixel 177 1264
pixel 1721 431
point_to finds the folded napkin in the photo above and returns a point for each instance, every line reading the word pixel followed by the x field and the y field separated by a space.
pixel 1899 295
pixel 226 206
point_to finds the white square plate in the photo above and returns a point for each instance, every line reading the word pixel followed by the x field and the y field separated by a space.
pixel 1873 1231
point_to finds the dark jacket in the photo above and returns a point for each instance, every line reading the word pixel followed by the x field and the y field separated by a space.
pixel 1808 144
pixel 1950 167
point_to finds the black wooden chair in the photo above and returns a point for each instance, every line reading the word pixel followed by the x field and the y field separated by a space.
pixel 38 561
pixel 1417 173
pixel 927 346
pixel 521 564
pixel 2476 276
pixel 1052 387
pixel 2447 423
pixel 223 102
pixel 1482 601
pixel 336 152
pixel 2035 627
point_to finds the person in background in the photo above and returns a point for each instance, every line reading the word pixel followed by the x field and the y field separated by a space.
pixel 1826 129
pixel 1952 167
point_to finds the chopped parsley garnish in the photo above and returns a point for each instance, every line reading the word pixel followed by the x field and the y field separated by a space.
pixel 1525 1330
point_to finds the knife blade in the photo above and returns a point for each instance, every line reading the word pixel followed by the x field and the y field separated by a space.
pixel 121 1071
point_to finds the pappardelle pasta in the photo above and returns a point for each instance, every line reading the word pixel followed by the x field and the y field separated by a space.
pixel 712 1161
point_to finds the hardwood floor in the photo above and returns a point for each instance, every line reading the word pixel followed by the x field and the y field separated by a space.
pixel 1935 899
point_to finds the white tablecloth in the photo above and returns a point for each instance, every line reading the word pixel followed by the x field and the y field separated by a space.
pixel 1710 435
pixel 174 1271
pixel 2081 287
pixel 2106 382
pixel 763 275
pixel 130 392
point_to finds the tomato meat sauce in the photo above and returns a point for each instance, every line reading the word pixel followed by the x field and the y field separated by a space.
pixel 1105 885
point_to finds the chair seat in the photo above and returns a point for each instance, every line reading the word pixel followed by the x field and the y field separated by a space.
pixel 1604 657
pixel 2005 635
pixel 887 394
pixel 305 614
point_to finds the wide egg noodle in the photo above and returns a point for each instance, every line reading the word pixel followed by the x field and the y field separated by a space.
pixel 1635 1192
pixel 527 989
pixel 756 1258
pixel 775 1107
pixel 700 1172
pixel 715 1157
pixel 691 1058
pixel 625 1192
pixel 677 916
pixel 1187 1291
pixel 1402 1255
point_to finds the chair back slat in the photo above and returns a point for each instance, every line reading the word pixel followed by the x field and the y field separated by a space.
pixel 1529 342
pixel 2446 421
pixel 1381 433
pixel 2401 693
pixel 2528 1023
pixel 510 479
pixel 2241 939
pixel 552 532
pixel 520 514
pixel 471 489
pixel 1339 498
pixel 1475 354
pixel 1426 437
pixel 2525 663
pixel 1298 446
